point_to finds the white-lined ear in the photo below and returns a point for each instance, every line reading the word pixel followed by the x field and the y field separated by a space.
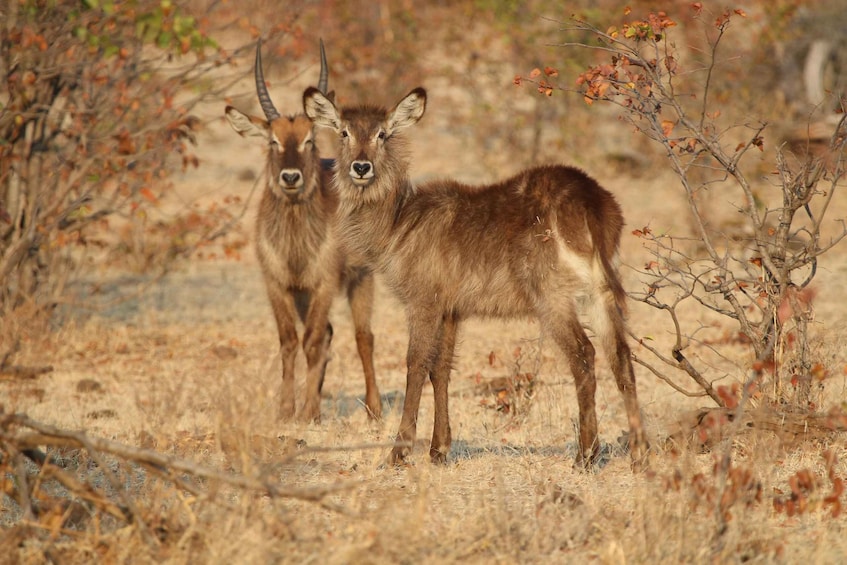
pixel 408 111
pixel 246 125
pixel 320 109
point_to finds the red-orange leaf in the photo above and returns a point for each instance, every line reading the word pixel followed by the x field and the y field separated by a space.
pixel 729 396
pixel 148 195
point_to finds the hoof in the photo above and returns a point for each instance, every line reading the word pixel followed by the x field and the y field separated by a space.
pixel 310 415
pixel 398 456
pixel 437 456
pixel 286 413
pixel 587 461
pixel 374 412
pixel 640 458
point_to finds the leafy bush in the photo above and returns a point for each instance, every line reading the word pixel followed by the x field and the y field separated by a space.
pixel 95 116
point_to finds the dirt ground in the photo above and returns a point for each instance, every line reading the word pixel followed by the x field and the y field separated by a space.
pixel 194 359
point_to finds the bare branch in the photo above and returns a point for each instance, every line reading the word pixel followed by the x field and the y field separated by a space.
pixel 667 379
pixel 15 441
pixel 744 279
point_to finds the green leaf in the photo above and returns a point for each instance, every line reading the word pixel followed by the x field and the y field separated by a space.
pixel 164 39
pixel 184 25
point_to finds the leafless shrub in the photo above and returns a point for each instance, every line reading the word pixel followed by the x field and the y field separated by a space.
pixel 757 275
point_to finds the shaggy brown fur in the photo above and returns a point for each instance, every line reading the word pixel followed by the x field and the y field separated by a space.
pixel 302 264
pixel 529 245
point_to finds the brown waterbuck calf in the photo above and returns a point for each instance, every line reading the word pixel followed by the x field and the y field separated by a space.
pixel 302 264
pixel 529 245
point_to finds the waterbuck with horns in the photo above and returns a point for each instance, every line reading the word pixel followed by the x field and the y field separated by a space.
pixel 303 267
pixel 529 245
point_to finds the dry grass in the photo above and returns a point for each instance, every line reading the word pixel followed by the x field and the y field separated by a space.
pixel 201 384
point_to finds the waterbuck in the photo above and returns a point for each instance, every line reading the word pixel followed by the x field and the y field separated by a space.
pixel 529 245
pixel 302 264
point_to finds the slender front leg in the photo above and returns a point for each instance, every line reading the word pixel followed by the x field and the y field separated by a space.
pixel 361 294
pixel 424 330
pixel 285 314
pixel 441 437
pixel 316 341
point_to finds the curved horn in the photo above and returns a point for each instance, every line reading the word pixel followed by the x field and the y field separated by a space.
pixel 322 82
pixel 261 90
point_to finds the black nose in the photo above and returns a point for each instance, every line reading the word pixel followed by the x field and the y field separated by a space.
pixel 361 168
pixel 290 179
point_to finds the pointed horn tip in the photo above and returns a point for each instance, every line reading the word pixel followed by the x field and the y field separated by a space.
pixel 323 81
pixel 267 105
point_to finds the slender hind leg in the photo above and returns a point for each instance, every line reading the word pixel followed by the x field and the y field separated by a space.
pixel 613 335
pixel 567 331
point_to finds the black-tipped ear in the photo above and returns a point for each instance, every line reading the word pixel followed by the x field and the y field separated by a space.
pixel 320 109
pixel 408 111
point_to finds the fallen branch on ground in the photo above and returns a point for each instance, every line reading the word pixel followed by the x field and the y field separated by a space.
pixel 22 438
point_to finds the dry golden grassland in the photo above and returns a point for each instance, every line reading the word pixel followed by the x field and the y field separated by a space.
pixel 189 369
